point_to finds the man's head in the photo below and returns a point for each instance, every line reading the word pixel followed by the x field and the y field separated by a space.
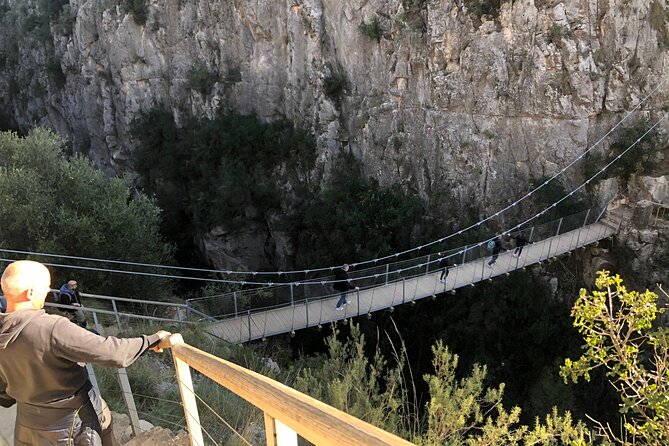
pixel 72 284
pixel 25 284
pixel 345 267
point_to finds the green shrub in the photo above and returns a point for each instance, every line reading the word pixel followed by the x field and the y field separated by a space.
pixel 556 32
pixel 370 219
pixel 66 206
pixel 213 172
pixel 202 79
pixel 372 29
pixel 484 7
pixel 658 17
pixel 334 85
pixel 138 9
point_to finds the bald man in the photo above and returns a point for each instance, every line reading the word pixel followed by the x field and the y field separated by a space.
pixel 40 371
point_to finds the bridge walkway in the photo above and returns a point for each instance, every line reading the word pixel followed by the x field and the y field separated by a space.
pixel 312 312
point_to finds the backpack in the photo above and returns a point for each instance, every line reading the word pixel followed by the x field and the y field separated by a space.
pixel 491 245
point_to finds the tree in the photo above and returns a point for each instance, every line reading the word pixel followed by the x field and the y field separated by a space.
pixel 464 412
pixel 50 204
pixel 349 380
pixel 617 326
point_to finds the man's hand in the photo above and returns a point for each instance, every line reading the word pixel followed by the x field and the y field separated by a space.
pixel 357 288
pixel 74 304
pixel 164 341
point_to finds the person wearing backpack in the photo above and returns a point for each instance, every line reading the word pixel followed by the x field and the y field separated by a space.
pixel 494 246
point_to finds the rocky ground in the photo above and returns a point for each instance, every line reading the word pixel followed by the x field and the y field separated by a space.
pixel 151 435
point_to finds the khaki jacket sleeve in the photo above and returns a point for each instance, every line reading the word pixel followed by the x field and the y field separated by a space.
pixel 69 341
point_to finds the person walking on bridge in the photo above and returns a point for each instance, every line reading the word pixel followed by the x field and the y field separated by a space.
pixel 494 246
pixel 41 365
pixel 520 242
pixel 445 265
pixel 343 285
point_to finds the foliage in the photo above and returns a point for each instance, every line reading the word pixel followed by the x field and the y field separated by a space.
pixel 138 9
pixel 227 171
pixel 557 32
pixel 55 205
pixel 464 412
pixel 617 326
pixel 334 85
pixel 157 397
pixel 371 29
pixel 553 192
pixel 202 79
pixel 233 170
pixel 369 219
pixel 658 17
pixel 484 7
pixel 358 383
pixel 642 157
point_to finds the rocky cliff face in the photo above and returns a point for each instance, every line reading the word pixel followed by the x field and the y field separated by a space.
pixel 468 97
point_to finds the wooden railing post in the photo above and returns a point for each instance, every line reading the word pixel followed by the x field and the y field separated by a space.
pixel 185 382
pixel 278 434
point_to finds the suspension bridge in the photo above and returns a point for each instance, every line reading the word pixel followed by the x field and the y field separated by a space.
pixel 407 282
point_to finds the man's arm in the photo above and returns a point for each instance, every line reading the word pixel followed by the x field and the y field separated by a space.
pixel 77 344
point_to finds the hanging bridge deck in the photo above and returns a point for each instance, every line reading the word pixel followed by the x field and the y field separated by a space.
pixel 314 312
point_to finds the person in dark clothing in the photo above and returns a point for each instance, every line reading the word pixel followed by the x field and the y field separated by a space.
pixel 41 365
pixel 496 248
pixel 343 285
pixel 69 295
pixel 520 242
pixel 446 266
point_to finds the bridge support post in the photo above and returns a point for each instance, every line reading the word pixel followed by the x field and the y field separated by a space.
pixel 403 289
pixel 585 222
pixel 427 265
pixel 550 242
pixel 248 313
pixel 306 310
pixel 292 296
pixel 387 272
pixel 234 297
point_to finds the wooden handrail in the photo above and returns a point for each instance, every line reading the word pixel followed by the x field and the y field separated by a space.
pixel 311 419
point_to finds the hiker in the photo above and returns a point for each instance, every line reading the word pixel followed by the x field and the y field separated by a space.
pixel 494 246
pixel 42 370
pixel 446 266
pixel 520 242
pixel 69 295
pixel 343 285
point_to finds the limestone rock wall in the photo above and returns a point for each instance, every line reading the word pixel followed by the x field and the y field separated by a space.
pixel 451 102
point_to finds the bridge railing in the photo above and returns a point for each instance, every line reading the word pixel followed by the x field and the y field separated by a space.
pixel 246 301
pixel 287 413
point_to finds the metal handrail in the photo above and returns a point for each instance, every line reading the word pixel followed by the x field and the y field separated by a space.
pixel 390 273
